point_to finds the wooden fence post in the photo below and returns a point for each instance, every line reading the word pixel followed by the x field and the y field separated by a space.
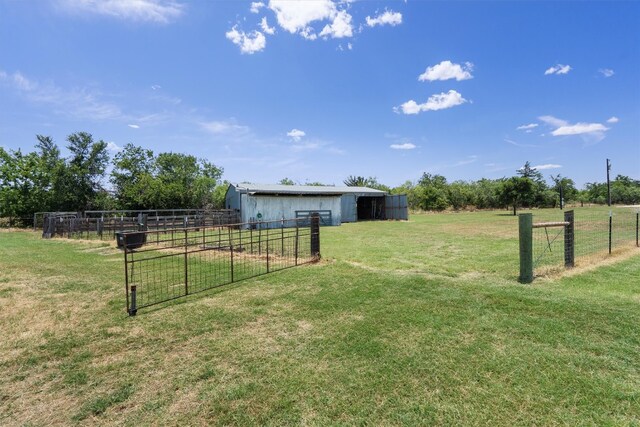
pixel 569 240
pixel 525 222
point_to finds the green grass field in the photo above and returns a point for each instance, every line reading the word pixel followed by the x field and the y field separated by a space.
pixel 419 322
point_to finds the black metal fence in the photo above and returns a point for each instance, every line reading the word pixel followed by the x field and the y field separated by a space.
pixel 16 222
pixel 39 217
pixel 164 265
pixel 71 225
pixel 580 238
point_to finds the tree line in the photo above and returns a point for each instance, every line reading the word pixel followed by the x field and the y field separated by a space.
pixel 526 189
pixel 89 179
pixel 136 178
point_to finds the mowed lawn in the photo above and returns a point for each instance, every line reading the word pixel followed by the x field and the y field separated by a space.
pixel 402 323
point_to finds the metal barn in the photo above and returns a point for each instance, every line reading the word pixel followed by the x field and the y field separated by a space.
pixel 268 202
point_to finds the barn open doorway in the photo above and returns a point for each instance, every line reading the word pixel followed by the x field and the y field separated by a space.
pixel 370 208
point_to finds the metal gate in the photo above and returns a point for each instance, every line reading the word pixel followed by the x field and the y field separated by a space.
pixel 165 265
pixel 396 207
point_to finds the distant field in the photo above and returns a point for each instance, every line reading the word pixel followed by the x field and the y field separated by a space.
pixel 418 322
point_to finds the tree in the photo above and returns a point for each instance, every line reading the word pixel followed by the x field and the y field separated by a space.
pixel 355 181
pixel 431 192
pixel 25 183
pixel 527 171
pixel 79 180
pixel 565 188
pixel 486 193
pixel 459 194
pixel 169 180
pixel 516 191
pixel 219 195
pixel 131 166
pixel 286 181
pixel 360 181
pixel 625 190
pixel 8 182
pixel 596 192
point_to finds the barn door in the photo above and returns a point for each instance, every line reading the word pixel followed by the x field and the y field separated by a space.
pixel 348 207
pixel 395 207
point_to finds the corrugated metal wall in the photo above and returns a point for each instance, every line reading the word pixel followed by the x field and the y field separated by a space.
pixel 349 208
pixel 270 208
pixel 396 207
pixel 343 208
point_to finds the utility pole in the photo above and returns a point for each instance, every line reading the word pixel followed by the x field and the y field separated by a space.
pixel 608 183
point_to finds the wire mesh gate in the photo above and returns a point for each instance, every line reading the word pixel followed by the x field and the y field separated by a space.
pixel 161 266
pixel 585 236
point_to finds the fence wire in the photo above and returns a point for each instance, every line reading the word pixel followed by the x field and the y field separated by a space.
pixel 72 226
pixel 164 265
pixel 597 234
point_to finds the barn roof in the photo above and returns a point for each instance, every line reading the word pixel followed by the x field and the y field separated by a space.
pixel 304 189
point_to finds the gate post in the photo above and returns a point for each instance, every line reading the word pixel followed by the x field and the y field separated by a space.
pixel 569 240
pixel 637 227
pixel 610 230
pixel 186 263
pixel 315 236
pixel 525 223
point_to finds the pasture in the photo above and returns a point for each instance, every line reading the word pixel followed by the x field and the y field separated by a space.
pixel 418 322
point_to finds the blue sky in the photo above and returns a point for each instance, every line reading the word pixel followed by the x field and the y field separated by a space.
pixel 317 90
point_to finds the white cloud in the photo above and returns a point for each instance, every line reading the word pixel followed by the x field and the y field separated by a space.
pixel 159 11
pixel 249 43
pixel 256 6
pixel 553 121
pixel 546 167
pixel 266 28
pixel 388 17
pixel 607 72
pixel 613 119
pixel 155 87
pixel 435 102
pixel 295 16
pixel 405 146
pixel 224 128
pixel 310 19
pixel 134 126
pixel 467 161
pixel 591 131
pixel 558 69
pixel 340 27
pixel 580 129
pixel 296 134
pixel 517 144
pixel 447 70
pixel 527 127
pixel 306 146
pixel 77 102
pixel 113 147
pixel 23 83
